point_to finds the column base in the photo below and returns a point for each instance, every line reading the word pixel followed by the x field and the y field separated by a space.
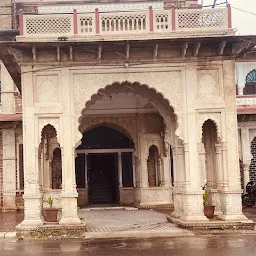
pixel 238 217
pixel 30 223
pixel 193 206
pixel 70 221
pixel 33 210
pixel 69 210
pixel 232 206
pixel 194 218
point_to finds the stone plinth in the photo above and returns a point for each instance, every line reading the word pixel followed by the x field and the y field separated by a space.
pixel 214 224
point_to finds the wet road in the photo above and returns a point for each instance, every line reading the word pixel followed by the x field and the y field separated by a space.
pixel 191 246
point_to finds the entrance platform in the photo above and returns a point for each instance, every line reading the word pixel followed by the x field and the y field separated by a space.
pixel 125 219
pixel 118 220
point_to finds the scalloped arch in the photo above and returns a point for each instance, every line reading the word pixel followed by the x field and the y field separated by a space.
pixel 251 77
pixel 215 124
pixel 48 126
pixel 156 98
pixel 114 125
pixel 153 145
pixel 54 122
pixel 215 118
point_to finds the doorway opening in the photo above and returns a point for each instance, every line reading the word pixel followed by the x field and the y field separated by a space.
pixel 104 164
pixel 102 178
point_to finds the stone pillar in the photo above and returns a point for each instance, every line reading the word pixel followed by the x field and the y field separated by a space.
pixel 246 152
pixel 138 171
pixel 120 171
pixel 202 167
pixel 246 169
pixel 178 162
pixel 32 192
pixel 134 170
pixel 67 141
pixel 46 166
pixel 231 193
pixel 9 170
pixel 85 170
pixel 219 181
pixel 192 191
pixel 166 167
pixel 144 173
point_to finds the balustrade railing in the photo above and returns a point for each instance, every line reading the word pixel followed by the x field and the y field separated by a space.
pixel 124 23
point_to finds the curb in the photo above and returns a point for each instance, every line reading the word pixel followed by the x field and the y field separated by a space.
pixel 8 234
pixel 136 234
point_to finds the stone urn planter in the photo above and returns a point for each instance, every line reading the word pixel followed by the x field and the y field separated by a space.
pixel 50 214
pixel 209 211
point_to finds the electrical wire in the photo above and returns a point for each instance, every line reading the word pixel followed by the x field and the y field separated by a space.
pixel 243 10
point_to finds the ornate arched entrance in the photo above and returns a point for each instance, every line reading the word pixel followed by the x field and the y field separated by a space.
pixel 144 118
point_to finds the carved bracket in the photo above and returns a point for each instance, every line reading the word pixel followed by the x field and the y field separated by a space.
pixel 184 48
pixel 239 47
pixel 221 48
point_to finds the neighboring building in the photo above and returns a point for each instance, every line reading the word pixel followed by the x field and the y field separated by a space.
pixel 131 103
pixel 246 110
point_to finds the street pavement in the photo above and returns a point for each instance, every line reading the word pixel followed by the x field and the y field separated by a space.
pixel 228 245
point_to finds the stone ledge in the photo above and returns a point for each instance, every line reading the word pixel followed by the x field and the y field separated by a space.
pixel 51 230
pixel 8 235
pixel 154 206
pixel 214 224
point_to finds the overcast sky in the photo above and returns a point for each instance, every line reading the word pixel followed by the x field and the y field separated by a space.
pixel 244 22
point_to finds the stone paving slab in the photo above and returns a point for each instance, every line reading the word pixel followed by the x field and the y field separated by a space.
pixel 122 220
pixel 9 220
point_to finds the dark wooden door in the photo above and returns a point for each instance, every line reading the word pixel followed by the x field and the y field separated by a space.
pixel 102 179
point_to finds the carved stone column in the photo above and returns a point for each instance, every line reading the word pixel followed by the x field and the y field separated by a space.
pixel 246 152
pixel 32 192
pixel 138 171
pixel 246 168
pixel 120 171
pixel 192 192
pixel 69 193
pixel 86 170
pixel 219 181
pixel 144 173
pixel 178 161
pixel 202 167
pixel 231 193
pixel 134 170
pixel 166 166
pixel 9 170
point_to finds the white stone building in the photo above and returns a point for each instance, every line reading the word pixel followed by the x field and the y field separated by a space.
pixel 131 104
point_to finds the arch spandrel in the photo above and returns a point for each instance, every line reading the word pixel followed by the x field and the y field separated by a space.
pixel 165 84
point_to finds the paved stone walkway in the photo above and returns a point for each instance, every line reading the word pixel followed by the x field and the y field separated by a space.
pixel 9 220
pixel 108 219
pixel 125 220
